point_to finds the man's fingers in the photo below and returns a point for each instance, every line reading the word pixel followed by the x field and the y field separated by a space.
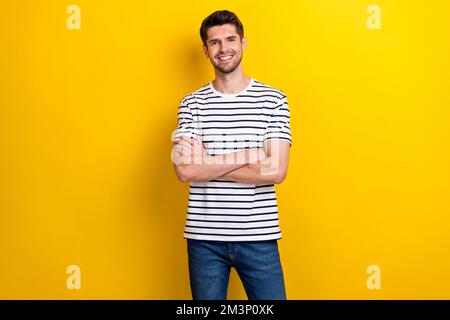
pixel 184 144
pixel 187 139
pixel 182 138
pixel 179 147
pixel 183 150
pixel 197 141
pixel 192 141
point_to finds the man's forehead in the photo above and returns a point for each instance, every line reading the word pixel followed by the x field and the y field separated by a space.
pixel 222 31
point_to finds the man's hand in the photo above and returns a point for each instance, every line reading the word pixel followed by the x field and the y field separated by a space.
pixel 189 148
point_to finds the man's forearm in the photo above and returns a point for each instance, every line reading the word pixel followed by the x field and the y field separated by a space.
pixel 259 172
pixel 208 167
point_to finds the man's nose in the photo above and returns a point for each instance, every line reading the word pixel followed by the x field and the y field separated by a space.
pixel 223 47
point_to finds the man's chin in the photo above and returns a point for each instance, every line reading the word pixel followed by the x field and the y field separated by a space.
pixel 227 70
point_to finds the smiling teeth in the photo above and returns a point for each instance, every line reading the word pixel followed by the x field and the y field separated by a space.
pixel 225 58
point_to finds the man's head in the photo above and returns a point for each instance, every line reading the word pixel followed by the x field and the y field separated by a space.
pixel 223 40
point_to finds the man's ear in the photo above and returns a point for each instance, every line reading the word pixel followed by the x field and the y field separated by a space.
pixel 205 51
pixel 244 43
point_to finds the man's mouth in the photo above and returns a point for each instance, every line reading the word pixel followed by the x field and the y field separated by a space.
pixel 225 58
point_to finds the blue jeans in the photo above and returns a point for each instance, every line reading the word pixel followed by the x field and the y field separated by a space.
pixel 256 262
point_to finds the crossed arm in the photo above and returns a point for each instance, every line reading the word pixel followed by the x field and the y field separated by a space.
pixel 257 165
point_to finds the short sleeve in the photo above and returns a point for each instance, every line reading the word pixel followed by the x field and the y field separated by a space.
pixel 186 124
pixel 279 124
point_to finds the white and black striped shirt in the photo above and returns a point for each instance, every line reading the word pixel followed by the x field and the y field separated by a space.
pixel 223 210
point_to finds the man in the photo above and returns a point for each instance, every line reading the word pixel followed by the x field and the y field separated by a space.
pixel 232 144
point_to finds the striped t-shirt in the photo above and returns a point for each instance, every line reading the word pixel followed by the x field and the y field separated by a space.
pixel 222 210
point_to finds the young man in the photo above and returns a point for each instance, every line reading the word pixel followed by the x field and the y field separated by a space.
pixel 232 144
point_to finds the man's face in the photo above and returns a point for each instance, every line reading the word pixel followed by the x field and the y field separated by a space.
pixel 224 47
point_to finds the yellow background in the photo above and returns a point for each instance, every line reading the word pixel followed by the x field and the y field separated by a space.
pixel 85 123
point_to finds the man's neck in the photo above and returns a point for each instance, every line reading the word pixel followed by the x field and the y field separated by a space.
pixel 231 83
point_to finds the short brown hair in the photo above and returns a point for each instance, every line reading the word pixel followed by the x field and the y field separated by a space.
pixel 219 18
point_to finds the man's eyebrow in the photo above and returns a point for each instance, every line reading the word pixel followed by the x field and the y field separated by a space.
pixel 230 37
